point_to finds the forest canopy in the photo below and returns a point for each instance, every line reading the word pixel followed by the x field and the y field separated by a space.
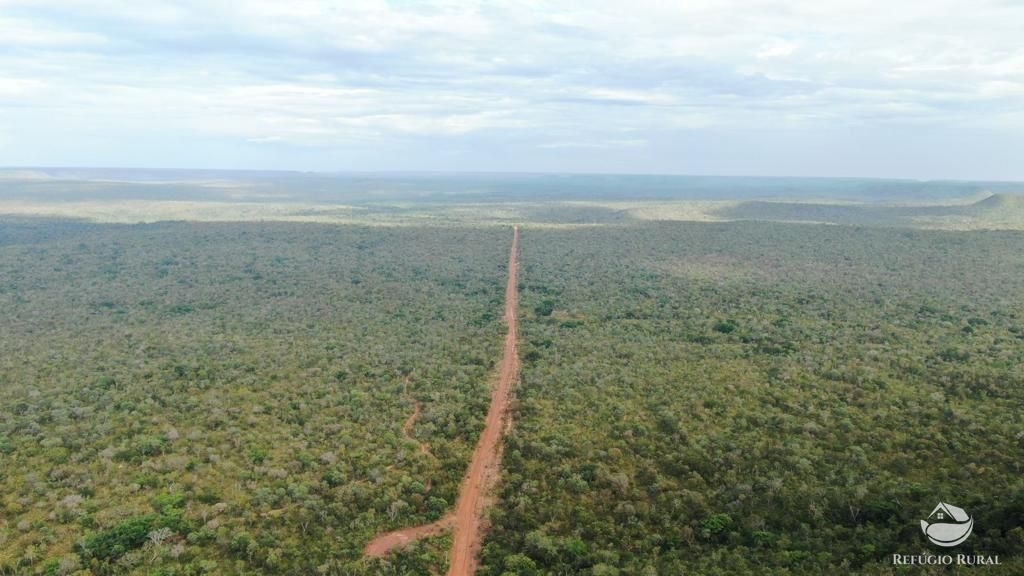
pixel 712 398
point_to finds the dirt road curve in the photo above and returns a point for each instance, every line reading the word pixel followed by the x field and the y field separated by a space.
pixel 468 517
pixel 383 544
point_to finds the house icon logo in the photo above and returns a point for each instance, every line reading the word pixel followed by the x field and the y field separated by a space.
pixel 950 525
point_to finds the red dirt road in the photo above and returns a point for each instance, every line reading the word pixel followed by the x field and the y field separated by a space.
pixel 486 463
pixel 480 478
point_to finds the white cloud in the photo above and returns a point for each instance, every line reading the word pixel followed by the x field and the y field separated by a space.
pixel 29 34
pixel 555 76
pixel 596 144
pixel 628 96
pixel 19 87
pixel 776 48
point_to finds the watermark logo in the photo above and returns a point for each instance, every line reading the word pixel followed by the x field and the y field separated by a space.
pixel 950 525
pixel 946 526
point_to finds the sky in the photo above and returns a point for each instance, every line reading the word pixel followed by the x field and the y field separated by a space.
pixel 927 89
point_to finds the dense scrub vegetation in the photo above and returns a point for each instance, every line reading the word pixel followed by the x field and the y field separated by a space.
pixel 755 398
pixel 743 398
pixel 182 399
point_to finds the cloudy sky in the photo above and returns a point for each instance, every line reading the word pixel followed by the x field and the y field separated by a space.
pixel 901 88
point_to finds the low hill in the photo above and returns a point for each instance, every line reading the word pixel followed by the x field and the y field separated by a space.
pixel 1002 210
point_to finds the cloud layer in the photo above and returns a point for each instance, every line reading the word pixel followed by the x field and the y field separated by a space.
pixel 846 87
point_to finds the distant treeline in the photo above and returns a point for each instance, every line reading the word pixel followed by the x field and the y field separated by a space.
pixel 39 184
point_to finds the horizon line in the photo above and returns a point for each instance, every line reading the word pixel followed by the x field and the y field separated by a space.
pixel 4 168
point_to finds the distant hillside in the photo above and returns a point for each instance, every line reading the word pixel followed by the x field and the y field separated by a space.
pixel 999 202
pixel 996 211
pixel 1002 210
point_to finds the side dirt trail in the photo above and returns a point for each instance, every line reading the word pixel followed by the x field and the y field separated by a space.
pixel 407 429
pixel 468 518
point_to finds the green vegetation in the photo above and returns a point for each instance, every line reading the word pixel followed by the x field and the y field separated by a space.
pixel 755 398
pixel 704 398
pixel 185 399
